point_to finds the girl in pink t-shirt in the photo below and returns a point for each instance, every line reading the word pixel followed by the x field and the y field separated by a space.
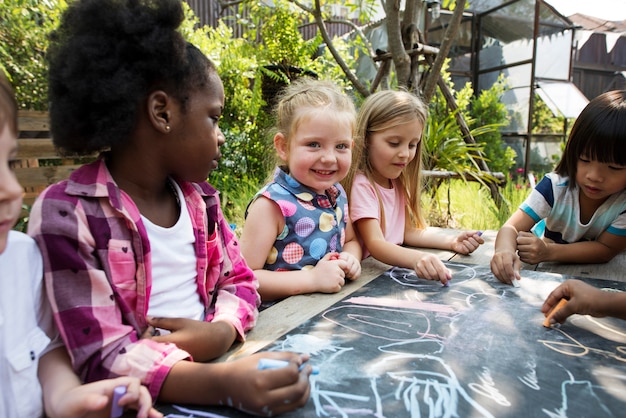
pixel 384 187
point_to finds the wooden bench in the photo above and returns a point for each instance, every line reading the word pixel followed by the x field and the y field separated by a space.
pixel 39 164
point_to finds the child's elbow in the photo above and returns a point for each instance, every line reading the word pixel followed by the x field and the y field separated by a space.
pixel 607 254
pixel 606 257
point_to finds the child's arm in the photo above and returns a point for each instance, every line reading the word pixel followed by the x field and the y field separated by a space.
pixel 65 397
pixel 505 263
pixel 204 341
pixel 426 265
pixel 464 243
pixel 263 224
pixel 534 250
pixel 584 299
pixel 352 253
pixel 240 384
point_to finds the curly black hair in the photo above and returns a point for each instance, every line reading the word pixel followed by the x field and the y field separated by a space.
pixel 105 58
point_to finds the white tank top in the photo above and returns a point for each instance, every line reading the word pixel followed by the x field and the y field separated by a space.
pixel 174 289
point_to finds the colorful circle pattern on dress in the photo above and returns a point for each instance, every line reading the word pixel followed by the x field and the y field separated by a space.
pixel 273 255
pixel 333 243
pixel 287 208
pixel 283 234
pixel 317 249
pixel 307 205
pixel 293 253
pixel 327 222
pixel 305 196
pixel 304 227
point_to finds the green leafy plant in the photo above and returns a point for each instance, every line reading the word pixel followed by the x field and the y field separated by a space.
pixel 281 41
pixel 24 29
pixel 445 148
pixel 488 110
pixel 544 121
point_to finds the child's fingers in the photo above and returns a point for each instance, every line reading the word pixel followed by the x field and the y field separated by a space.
pixel 331 256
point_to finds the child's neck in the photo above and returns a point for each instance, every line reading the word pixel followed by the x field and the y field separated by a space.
pixel 383 182
pixel 588 206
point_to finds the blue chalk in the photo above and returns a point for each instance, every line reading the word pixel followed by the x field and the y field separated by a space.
pixel 269 363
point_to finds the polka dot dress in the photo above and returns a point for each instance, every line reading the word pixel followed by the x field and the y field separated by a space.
pixel 315 224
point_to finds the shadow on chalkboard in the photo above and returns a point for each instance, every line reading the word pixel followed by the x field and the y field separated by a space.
pixel 402 346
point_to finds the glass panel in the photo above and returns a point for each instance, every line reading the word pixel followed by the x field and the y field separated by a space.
pixel 550 22
pixel 459 81
pixel 564 96
pixel 507 34
pixel 554 55
pixel 517 144
pixel 545 152
pixel 515 99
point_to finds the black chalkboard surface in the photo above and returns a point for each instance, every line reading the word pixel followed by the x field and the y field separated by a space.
pixel 406 347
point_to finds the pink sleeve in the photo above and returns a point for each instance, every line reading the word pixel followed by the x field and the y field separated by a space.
pixel 363 200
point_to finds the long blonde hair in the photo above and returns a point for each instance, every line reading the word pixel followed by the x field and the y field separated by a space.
pixel 380 111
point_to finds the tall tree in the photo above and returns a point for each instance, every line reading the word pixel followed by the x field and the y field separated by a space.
pixel 403 39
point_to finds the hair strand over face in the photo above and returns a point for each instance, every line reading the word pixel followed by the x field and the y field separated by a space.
pixel 599 134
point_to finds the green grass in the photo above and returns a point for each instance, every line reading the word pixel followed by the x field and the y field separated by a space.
pixel 470 206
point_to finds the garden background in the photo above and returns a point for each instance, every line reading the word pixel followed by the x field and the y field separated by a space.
pixel 270 52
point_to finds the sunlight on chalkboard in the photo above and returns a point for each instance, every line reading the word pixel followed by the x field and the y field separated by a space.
pixel 607 328
pixel 411 347
pixel 614 382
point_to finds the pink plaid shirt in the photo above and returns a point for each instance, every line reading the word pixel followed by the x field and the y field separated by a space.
pixel 98 274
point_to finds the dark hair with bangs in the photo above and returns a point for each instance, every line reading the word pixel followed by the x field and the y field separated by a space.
pixel 8 105
pixel 106 58
pixel 599 134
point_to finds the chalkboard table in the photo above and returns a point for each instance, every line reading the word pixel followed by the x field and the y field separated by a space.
pixel 405 347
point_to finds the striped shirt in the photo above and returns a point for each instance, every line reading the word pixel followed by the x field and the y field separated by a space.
pixel 559 204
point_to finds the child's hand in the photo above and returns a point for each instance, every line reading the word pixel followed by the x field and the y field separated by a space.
pixel 531 249
pixel 430 267
pixel 466 242
pixel 329 274
pixel 352 266
pixel 584 299
pixel 203 340
pixel 505 265
pixel 94 400
pixel 266 392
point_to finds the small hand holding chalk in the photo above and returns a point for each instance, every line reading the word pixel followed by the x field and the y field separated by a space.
pixel 549 321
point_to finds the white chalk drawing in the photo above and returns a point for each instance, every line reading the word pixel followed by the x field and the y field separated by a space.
pixel 403 353
pixel 404 370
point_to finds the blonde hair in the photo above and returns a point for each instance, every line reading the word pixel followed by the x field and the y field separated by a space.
pixel 381 111
pixel 309 94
